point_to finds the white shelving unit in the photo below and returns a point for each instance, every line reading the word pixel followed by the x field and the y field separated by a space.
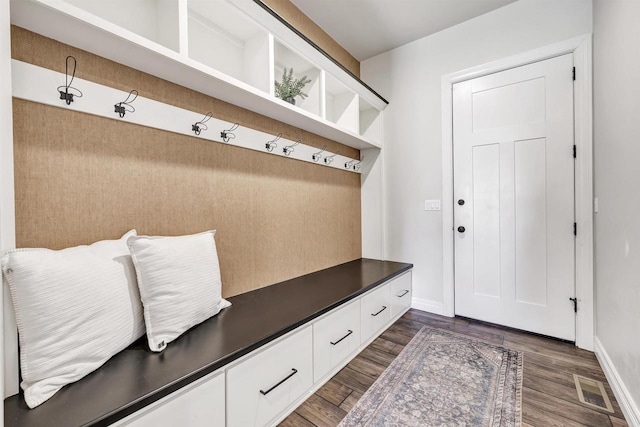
pixel 228 49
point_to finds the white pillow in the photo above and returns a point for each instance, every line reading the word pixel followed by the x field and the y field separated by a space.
pixel 75 308
pixel 179 282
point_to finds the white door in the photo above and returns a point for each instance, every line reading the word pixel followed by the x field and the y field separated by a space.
pixel 514 198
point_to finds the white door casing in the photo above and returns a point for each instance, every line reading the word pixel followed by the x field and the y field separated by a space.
pixel 514 169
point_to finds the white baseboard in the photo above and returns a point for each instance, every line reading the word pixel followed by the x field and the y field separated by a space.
pixel 428 306
pixel 628 406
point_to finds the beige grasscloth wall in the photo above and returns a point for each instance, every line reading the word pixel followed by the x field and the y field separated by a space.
pixel 294 16
pixel 81 178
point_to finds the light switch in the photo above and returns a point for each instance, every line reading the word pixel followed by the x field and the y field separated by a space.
pixel 432 205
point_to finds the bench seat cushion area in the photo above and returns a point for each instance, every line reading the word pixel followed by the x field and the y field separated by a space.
pixel 137 377
pixel 75 308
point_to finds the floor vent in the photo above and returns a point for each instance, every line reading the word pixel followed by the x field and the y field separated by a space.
pixel 592 393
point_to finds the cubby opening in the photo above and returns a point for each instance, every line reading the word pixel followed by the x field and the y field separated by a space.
pixel 160 23
pixel 370 122
pixel 286 58
pixel 341 104
pixel 222 37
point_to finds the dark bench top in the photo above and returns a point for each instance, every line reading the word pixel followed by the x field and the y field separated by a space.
pixel 137 377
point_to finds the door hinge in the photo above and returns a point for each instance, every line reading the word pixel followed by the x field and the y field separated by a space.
pixel 575 228
pixel 575 304
pixel 575 151
pixel 574 73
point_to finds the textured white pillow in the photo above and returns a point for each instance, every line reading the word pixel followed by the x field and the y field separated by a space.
pixel 75 308
pixel 179 282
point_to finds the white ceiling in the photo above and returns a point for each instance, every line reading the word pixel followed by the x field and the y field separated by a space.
pixel 366 28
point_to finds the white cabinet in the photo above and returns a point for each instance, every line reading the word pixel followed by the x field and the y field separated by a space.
pixel 401 292
pixel 200 404
pixel 375 312
pixel 335 337
pixel 264 385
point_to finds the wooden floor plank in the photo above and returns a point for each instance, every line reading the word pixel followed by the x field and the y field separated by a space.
pixel 320 412
pixel 549 395
pixel 561 408
pixel 564 379
pixel 351 401
pixel 617 422
pixel 381 344
pixel 353 379
pixel 538 417
pixel 380 357
pixel 296 420
pixel 334 392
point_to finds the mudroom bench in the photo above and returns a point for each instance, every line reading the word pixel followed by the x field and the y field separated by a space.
pixel 249 366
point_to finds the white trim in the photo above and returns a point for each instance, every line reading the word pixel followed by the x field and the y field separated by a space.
pixel 9 336
pixel 580 47
pixel 428 306
pixel 629 407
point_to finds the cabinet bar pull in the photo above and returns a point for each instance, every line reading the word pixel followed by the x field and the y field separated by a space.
pixel 406 291
pixel 349 332
pixel 293 372
pixel 381 310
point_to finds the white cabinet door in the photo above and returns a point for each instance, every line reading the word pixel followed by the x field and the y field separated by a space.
pixel 375 311
pixel 401 292
pixel 200 404
pixel 264 385
pixel 335 337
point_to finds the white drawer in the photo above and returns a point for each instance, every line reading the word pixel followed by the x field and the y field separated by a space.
pixel 264 385
pixel 400 294
pixel 197 405
pixel 335 337
pixel 375 312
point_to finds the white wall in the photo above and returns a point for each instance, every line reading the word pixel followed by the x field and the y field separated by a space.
pixel 617 175
pixel 410 78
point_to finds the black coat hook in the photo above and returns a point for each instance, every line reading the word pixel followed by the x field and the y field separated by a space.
pixel 317 156
pixel 122 107
pixel 272 144
pixel 198 127
pixel 228 134
pixel 287 150
pixel 67 92
pixel 329 159
pixel 349 164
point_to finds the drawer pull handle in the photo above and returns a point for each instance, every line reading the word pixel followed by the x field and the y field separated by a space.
pixel 381 310
pixel 349 332
pixel 406 291
pixel 293 372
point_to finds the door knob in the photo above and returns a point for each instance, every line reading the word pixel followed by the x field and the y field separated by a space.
pixel 461 202
pixel 461 229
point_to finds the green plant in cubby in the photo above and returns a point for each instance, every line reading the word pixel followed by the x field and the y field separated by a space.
pixel 290 87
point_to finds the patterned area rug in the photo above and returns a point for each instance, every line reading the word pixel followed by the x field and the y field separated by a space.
pixel 443 379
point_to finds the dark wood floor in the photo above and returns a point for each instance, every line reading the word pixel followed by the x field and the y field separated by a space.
pixel 549 396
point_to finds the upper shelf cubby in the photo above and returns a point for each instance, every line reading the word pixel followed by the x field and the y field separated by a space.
pixel 156 20
pixel 341 104
pixel 302 69
pixel 233 50
pixel 224 38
